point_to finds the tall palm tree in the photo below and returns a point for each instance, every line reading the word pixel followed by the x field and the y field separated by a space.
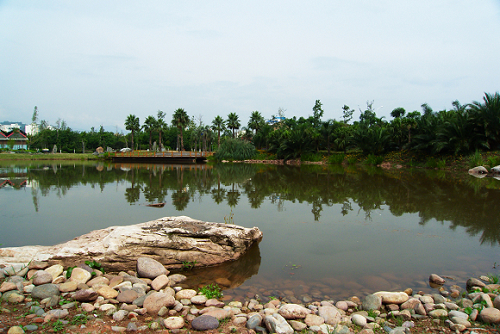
pixel 180 119
pixel 233 122
pixel 256 121
pixel 160 125
pixel 132 124
pixel 487 117
pixel 149 126
pixel 218 125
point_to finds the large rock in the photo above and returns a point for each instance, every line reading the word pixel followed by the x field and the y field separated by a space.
pixel 169 240
pixel 293 311
pixel 392 297
pixel 150 268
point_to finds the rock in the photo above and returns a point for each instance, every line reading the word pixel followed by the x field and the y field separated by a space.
pixel 293 311
pixel 155 301
pixel 68 286
pixel 204 323
pixel 331 315
pixel 107 292
pixel 102 280
pixel 173 322
pixel 214 302
pixel 461 321
pixel 160 282
pixel 496 302
pixel 471 282
pixel 185 294
pixel 7 286
pixel 16 330
pixel 297 325
pixel 490 315
pixel 150 268
pixel 479 170
pixel 410 304
pixel 58 313
pixel 127 296
pixel 438 313
pixel 438 299
pixel 42 277
pixel 87 307
pixel 54 270
pixel 495 169
pixel 342 305
pixel 436 279
pixel 392 297
pixel 254 321
pixel 169 240
pixel 359 320
pixel 219 313
pixel 487 299
pixel 313 320
pixel 277 324
pixel 45 291
pixel 80 275
pixel 199 299
pixel 86 295
pixel 13 297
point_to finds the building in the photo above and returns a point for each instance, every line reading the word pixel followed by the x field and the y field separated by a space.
pixel 15 140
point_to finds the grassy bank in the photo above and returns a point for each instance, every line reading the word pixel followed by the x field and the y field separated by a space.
pixel 47 156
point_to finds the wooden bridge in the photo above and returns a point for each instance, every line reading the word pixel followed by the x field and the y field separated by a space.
pixel 186 157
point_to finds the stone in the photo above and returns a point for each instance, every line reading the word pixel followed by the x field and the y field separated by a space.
pixel 436 279
pixel 45 291
pixel 438 299
pixel 313 320
pixel 438 313
pixel 160 282
pixel 54 270
pixel 496 302
pixel 478 170
pixel 359 320
pixel 471 282
pixel 150 268
pixel 254 321
pixel 7 286
pixel 331 315
pixel 98 280
pixel 42 277
pixel 490 315
pixel 461 321
pixel 156 300
pixel 223 281
pixel 127 296
pixel 297 325
pixel 119 315
pixel 58 313
pixel 87 307
pixel 219 313
pixel 342 305
pixel 487 299
pixel 410 304
pixel 86 295
pixel 277 324
pixel 204 323
pixel 199 300
pixel 117 248
pixel 174 322
pixel 214 302
pixel 107 292
pixel 392 297
pixel 293 311
pixel 15 330
pixel 185 294
pixel 68 286
pixel 13 297
pixel 80 275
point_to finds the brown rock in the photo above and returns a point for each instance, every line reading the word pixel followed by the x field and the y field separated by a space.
pixel 155 301
pixel 86 295
pixel 127 296
pixel 107 292
pixel 436 279
pixel 42 277
pixel 68 286
pixel 160 282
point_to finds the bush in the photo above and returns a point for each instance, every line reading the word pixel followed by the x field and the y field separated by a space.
pixel 431 163
pixel 336 159
pixel 314 157
pixel 235 149
pixel 374 160
pixel 475 160
pixel 494 161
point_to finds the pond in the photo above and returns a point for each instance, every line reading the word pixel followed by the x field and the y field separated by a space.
pixel 329 232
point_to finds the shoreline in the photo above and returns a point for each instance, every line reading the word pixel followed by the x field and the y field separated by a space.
pixel 159 302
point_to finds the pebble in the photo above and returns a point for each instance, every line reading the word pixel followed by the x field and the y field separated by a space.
pixel 204 323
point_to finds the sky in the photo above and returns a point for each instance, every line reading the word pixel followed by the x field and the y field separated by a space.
pixel 93 63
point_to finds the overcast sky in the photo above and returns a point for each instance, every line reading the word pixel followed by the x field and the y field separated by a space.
pixel 93 63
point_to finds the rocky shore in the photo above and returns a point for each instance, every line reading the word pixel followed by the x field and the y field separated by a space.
pixel 40 298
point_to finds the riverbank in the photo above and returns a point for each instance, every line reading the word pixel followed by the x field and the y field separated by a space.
pixel 47 156
pixel 42 298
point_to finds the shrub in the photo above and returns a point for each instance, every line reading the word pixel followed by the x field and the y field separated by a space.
pixel 475 160
pixel 336 158
pixel 314 157
pixel 235 149
pixel 431 163
pixel 374 160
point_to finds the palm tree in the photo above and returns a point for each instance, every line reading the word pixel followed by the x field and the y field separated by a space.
pixel 487 117
pixel 233 122
pixel 218 125
pixel 132 124
pixel 160 125
pixel 256 121
pixel 180 119
pixel 149 126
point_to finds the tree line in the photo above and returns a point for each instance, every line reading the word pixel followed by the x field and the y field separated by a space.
pixel 461 129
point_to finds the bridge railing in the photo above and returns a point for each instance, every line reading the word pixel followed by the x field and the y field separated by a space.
pixel 165 154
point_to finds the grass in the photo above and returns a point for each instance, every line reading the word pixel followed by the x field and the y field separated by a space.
pixel 476 159
pixel 188 265
pixel 229 219
pixel 374 160
pixel 313 157
pixel 211 291
pixel 493 278
pixel 336 159
pixel 47 156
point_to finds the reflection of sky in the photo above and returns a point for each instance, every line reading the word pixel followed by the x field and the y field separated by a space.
pixel 350 246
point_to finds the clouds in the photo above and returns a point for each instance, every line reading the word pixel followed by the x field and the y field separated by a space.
pixel 94 62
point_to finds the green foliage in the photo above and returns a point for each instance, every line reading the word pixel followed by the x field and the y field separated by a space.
pixel 313 157
pixel 95 265
pixel 493 278
pixel 441 163
pixel 475 160
pixel 79 319
pixel 493 161
pixel 188 265
pixel 235 149
pixel 211 291
pixel 374 160
pixel 431 163
pixel 58 325
pixel 336 159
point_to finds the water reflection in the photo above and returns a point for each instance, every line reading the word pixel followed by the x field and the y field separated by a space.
pixel 462 201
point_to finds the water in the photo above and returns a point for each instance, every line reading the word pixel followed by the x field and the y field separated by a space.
pixel 328 232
